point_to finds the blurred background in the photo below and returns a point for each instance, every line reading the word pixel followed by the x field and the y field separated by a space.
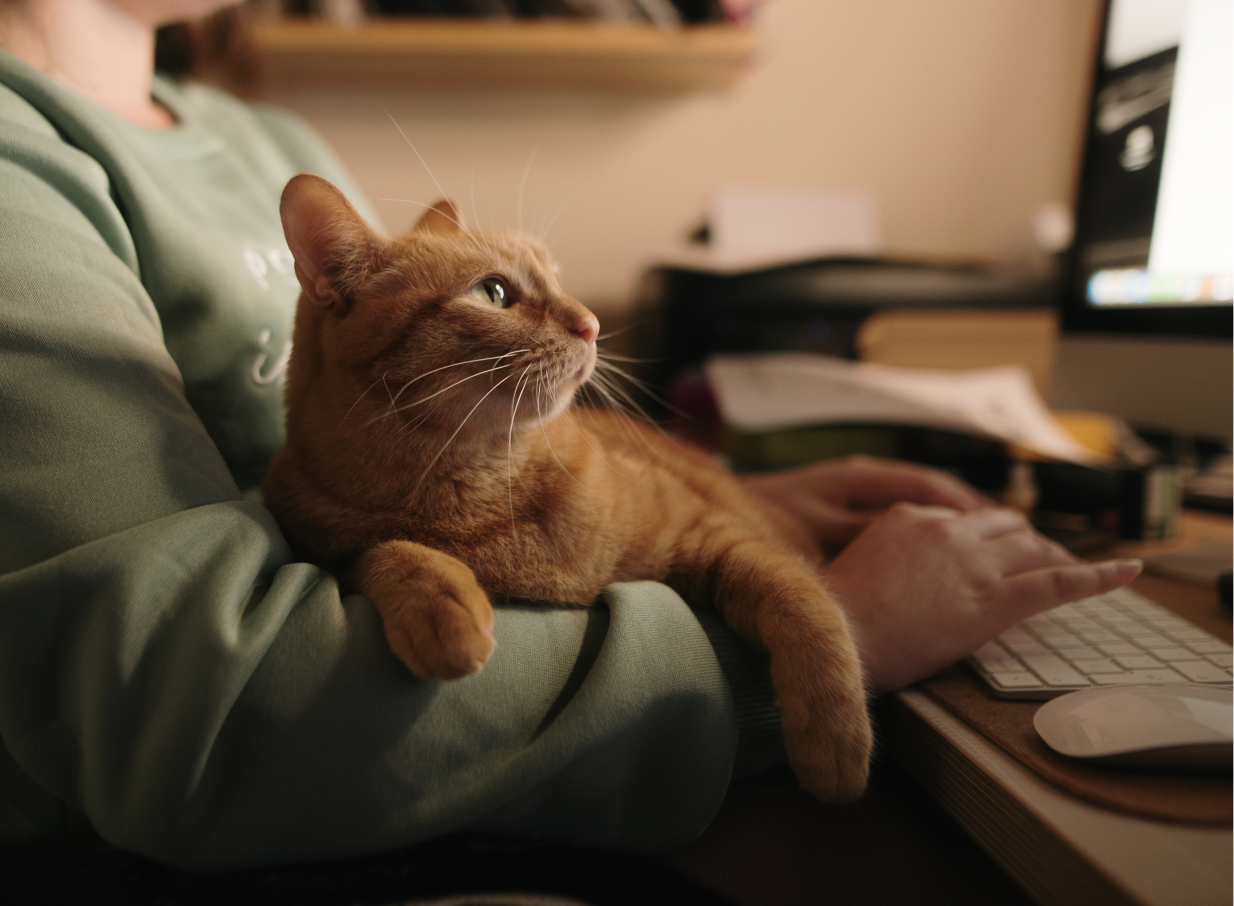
pixel 960 117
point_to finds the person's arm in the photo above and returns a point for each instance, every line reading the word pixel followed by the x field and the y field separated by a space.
pixel 170 672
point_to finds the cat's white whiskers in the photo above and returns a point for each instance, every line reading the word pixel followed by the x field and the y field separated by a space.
pixel 549 443
pixel 396 410
pixel 609 399
pixel 490 358
pixel 429 207
pixel 427 169
pixel 522 184
pixel 619 331
pixel 516 399
pixel 469 377
pixel 475 214
pixel 565 205
pixel 605 387
pixel 606 356
pixel 380 380
pixel 393 411
pixel 411 427
pixel 614 391
pixel 640 384
pixel 466 418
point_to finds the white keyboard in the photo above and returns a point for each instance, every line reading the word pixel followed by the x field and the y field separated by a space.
pixel 1117 638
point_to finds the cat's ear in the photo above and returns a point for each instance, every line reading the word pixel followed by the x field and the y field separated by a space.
pixel 442 217
pixel 334 248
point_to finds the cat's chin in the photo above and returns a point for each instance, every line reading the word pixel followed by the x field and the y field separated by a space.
pixel 562 402
pixel 583 375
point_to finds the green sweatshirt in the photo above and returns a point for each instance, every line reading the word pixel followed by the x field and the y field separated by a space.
pixel 169 675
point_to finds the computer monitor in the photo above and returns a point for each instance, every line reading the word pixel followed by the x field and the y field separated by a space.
pixel 1147 336
pixel 1154 246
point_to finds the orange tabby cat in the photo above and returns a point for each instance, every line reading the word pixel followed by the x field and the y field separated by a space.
pixel 434 461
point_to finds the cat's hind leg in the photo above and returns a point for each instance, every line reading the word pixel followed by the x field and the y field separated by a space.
pixel 776 600
pixel 438 620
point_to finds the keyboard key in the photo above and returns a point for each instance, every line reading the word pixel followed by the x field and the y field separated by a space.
pixel 1074 651
pixel 1172 654
pixel 1054 671
pixel 1017 681
pixel 1077 622
pixel 1055 634
pixel 1189 634
pixel 1097 636
pixel 1114 649
pixel 1144 609
pixel 1132 661
pixel 1146 638
pixel 1161 677
pixel 1221 660
pixel 1166 624
pixel 1025 647
pixel 1208 646
pixel 1102 612
pixel 1012 665
pixel 1096 665
pixel 1201 671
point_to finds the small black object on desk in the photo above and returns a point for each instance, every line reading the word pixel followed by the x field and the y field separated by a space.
pixel 1225 589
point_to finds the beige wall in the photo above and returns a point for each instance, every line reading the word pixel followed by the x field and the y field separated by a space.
pixel 961 116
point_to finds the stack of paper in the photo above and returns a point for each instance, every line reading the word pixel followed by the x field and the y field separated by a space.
pixel 774 391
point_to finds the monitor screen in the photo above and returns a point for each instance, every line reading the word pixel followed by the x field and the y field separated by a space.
pixel 1154 249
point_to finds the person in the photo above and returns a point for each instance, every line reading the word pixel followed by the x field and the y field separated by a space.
pixel 173 679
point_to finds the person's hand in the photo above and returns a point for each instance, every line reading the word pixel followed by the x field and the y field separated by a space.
pixel 924 587
pixel 839 498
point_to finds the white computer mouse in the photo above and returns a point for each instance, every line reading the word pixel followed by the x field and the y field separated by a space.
pixel 1183 727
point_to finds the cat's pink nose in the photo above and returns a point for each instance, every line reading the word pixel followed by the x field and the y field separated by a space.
pixel 583 324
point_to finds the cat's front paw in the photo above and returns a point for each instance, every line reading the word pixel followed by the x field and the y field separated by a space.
pixel 438 620
pixel 827 732
pixel 447 638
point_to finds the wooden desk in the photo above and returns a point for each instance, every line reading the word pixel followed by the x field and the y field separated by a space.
pixel 1062 849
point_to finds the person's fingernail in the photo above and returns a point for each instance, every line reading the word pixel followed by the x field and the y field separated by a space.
pixel 1137 563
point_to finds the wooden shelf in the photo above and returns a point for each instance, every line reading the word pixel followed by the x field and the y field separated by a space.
pixel 419 52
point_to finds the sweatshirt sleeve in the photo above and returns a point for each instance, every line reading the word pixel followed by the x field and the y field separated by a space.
pixel 168 671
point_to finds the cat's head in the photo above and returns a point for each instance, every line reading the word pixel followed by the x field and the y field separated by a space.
pixel 430 329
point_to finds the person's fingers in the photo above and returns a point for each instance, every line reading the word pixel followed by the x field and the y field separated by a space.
pixel 1031 592
pixel 876 484
pixel 847 526
pixel 1014 552
pixel 830 524
pixel 990 522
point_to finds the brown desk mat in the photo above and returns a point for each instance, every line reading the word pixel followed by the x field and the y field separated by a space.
pixel 1191 800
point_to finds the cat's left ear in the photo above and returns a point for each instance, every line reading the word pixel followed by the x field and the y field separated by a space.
pixel 442 217
pixel 334 248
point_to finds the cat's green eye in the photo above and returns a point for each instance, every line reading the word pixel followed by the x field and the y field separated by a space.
pixel 493 292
